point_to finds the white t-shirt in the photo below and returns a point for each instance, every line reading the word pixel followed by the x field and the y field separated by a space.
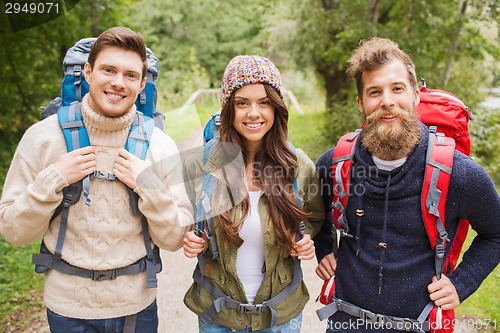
pixel 250 257
pixel 388 165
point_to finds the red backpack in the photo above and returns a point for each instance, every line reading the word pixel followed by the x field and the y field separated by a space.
pixel 451 117
pixel 447 118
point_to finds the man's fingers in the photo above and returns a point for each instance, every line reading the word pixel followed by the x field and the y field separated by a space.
pixel 322 273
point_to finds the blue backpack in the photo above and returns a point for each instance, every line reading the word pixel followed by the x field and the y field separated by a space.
pixel 212 127
pixel 74 86
pixel 68 109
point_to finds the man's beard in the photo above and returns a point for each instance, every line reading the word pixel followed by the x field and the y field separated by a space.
pixel 395 140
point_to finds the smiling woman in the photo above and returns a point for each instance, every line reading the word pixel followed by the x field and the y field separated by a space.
pixel 261 238
pixel 253 115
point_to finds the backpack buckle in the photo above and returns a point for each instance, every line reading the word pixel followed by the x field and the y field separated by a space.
pixel 440 251
pixel 67 200
pixel 371 317
pixel 251 308
pixel 345 234
pixel 109 274
pixel 102 175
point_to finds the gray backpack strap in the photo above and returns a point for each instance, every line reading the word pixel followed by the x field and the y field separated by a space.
pixel 45 260
pixel 419 325
pixel 222 300
pixel 130 323
pixel 153 260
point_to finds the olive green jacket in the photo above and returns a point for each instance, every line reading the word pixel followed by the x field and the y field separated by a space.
pixel 221 272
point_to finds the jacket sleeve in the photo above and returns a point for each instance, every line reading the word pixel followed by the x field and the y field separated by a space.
pixel 32 189
pixel 324 239
pixel 163 199
pixel 479 203
pixel 310 194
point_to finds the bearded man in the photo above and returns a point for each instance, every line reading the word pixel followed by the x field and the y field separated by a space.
pixel 384 270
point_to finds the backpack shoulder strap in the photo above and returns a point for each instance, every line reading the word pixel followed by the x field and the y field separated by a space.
pixel 75 134
pixel 137 143
pixel 295 182
pixel 302 226
pixel 204 208
pixel 71 123
pixel 341 170
pixel 438 166
pixel 140 135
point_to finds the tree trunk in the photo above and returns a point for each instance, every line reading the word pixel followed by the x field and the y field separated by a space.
pixel 373 16
pixel 336 83
pixel 454 47
pixel 96 19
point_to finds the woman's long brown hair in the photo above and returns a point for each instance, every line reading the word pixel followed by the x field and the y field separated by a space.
pixel 275 169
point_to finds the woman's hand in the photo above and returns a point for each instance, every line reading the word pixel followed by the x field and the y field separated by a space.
pixel 304 249
pixel 194 245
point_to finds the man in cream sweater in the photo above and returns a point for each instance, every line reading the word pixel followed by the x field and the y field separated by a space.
pixel 104 235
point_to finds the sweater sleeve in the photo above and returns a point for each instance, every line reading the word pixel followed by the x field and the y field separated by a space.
pixel 32 189
pixel 163 199
pixel 479 204
pixel 324 240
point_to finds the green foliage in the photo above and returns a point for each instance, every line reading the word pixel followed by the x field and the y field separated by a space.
pixel 344 118
pixel 321 35
pixel 485 141
pixel 31 71
pixel 195 40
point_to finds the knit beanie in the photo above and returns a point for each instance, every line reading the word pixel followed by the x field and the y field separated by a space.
pixel 245 69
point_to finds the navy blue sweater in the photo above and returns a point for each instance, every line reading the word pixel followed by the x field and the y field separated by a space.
pixel 393 280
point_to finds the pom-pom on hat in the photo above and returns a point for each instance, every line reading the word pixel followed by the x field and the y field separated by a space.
pixel 245 69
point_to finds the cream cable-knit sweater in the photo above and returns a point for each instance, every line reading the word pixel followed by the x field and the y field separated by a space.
pixel 105 234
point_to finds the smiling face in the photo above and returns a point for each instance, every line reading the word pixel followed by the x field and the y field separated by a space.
pixel 253 115
pixel 115 81
pixel 388 106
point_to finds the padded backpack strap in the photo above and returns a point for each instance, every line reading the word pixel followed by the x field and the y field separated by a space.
pixel 76 136
pixel 341 170
pixel 140 135
pixel 71 123
pixel 204 208
pixel 302 226
pixel 138 141
pixel 439 163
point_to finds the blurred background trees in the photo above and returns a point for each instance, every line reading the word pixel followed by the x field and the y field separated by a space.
pixel 454 43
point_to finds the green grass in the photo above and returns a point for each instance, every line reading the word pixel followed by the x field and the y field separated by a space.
pixel 484 302
pixel 20 287
pixel 307 132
